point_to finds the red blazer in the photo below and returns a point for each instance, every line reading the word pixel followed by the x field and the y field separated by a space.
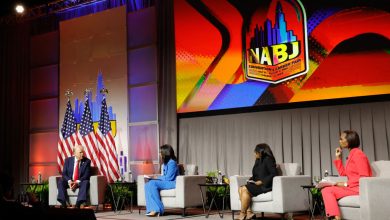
pixel 356 166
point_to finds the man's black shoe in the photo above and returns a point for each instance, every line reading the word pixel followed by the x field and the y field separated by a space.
pixel 63 204
pixel 78 204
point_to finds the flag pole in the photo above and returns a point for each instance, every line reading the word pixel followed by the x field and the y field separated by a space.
pixel 104 92
pixel 65 142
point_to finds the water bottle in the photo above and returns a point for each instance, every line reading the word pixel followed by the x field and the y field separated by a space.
pixel 326 173
pixel 130 176
pixel 39 177
pixel 219 177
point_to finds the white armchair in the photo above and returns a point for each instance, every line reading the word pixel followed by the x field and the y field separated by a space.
pixel 373 201
pixel 286 196
pixel 97 188
pixel 186 194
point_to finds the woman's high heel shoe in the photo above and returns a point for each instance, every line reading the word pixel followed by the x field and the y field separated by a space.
pixel 242 216
pixel 153 214
pixel 250 215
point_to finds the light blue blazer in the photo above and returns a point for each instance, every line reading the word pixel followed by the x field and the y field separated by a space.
pixel 170 171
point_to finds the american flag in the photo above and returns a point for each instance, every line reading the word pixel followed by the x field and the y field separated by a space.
pixel 67 137
pixel 108 155
pixel 87 137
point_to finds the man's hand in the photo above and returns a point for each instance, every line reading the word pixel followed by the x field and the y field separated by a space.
pixel 73 185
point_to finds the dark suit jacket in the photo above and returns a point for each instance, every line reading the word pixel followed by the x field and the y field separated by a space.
pixel 263 170
pixel 84 170
pixel 67 174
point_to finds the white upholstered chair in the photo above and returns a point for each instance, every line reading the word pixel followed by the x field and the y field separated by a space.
pixel 186 194
pixel 97 188
pixel 373 201
pixel 287 195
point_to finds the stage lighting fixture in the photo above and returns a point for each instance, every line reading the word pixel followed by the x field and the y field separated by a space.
pixel 19 9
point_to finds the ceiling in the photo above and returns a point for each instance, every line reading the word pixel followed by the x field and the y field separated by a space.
pixel 7 7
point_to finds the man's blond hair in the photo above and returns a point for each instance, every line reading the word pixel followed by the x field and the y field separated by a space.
pixel 78 146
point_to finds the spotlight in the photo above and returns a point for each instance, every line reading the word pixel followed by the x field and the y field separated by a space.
pixel 19 9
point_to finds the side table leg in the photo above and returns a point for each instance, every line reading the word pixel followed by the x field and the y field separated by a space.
pixel 131 204
pixel 211 204
pixel 115 201
pixel 201 194
pixel 310 204
pixel 223 202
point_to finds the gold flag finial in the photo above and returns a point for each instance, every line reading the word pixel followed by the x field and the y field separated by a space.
pixel 104 91
pixel 87 91
pixel 68 93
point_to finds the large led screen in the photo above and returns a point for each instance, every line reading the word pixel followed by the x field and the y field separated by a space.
pixel 235 53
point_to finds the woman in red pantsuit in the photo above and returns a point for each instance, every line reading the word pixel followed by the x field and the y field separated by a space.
pixel 356 166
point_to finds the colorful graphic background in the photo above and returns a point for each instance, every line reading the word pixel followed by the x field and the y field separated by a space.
pixel 349 54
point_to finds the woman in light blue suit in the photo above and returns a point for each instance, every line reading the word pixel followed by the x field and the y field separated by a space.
pixel 154 206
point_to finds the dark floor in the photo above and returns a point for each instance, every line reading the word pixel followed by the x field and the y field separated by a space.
pixel 191 213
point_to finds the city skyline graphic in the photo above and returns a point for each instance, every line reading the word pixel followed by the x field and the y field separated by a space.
pixel 95 106
pixel 268 35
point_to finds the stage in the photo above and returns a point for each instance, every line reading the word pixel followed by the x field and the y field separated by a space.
pixel 191 213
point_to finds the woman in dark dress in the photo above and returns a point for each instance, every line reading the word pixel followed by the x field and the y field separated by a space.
pixel 263 173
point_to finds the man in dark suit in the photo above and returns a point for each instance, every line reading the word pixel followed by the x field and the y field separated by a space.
pixel 76 174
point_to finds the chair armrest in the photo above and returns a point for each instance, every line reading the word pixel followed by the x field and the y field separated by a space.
pixel 337 178
pixel 97 189
pixel 53 190
pixel 141 189
pixel 288 195
pixel 188 192
pixel 235 183
pixel 374 196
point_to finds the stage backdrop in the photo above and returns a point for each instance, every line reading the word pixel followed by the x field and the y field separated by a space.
pixel 308 136
pixel 93 54
pixel 233 54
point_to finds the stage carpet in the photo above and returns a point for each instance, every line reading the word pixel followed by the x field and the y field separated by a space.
pixel 191 213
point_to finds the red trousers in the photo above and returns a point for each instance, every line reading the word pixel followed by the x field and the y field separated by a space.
pixel 331 194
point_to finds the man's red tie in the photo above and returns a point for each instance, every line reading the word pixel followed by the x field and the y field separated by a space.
pixel 76 171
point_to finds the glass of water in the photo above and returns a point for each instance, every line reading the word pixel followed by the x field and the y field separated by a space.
pixel 316 179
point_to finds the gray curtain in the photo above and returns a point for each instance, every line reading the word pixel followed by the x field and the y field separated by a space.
pixel 307 136
pixel 167 74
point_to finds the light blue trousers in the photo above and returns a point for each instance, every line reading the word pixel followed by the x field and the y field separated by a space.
pixel 152 194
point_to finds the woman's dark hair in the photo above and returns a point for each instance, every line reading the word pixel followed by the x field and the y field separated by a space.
pixel 167 153
pixel 352 138
pixel 264 150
